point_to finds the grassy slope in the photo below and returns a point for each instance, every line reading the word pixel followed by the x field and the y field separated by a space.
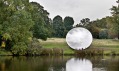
pixel 108 45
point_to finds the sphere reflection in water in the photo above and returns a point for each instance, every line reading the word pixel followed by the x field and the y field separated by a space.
pixel 76 64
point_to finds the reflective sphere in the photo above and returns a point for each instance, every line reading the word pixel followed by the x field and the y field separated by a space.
pixel 79 38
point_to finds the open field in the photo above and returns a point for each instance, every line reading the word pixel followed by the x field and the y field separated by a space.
pixel 108 45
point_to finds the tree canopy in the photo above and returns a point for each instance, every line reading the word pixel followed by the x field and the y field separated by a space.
pixel 58 26
pixel 21 20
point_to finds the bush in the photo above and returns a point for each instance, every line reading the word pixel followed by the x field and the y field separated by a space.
pixel 51 51
pixel 46 51
pixel 34 47
pixel 57 51
pixel 103 34
pixel 19 49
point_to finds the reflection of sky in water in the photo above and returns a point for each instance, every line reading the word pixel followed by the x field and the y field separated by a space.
pixel 99 69
pixel 75 64
pixel 79 38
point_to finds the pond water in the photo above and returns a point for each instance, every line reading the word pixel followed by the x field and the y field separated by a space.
pixel 59 63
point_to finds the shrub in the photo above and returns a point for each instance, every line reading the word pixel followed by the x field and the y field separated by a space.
pixel 103 34
pixel 57 51
pixel 34 47
pixel 46 51
pixel 19 49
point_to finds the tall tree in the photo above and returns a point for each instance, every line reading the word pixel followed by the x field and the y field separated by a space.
pixel 68 24
pixel 115 21
pixel 16 22
pixel 58 26
pixel 42 26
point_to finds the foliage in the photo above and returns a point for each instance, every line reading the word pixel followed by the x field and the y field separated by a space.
pixel 34 47
pixel 112 32
pixel 101 23
pixel 94 31
pixel 19 49
pixel 115 19
pixel 94 26
pixel 114 10
pixel 20 20
pixel 23 23
pixel 103 34
pixel 41 29
pixel 58 26
pixel 6 36
pixel 40 32
pixel 85 21
pixel 68 24
pixel 15 22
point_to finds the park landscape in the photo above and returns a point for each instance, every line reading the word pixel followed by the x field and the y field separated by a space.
pixel 26 29
pixel 32 41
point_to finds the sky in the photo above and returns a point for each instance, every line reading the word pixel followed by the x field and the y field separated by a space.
pixel 78 9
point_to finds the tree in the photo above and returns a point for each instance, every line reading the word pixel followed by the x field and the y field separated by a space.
pixel 111 27
pixel 103 34
pixel 84 22
pixel 94 30
pixel 96 26
pixel 16 22
pixel 41 29
pixel 68 24
pixel 19 29
pixel 115 21
pixel 58 26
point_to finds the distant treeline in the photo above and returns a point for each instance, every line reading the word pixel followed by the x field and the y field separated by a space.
pixel 105 28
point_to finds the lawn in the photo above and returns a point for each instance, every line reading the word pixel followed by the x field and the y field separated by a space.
pixel 108 45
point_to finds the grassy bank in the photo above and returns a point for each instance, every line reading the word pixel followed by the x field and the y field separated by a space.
pixel 57 43
pixel 110 46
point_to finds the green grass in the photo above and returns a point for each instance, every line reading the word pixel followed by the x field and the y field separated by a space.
pixel 105 43
pixel 108 45
pixel 57 43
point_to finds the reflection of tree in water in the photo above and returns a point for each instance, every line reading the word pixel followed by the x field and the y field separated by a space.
pixel 99 64
pixel 113 63
pixel 51 63
pixel 5 62
pixel 105 64
pixel 54 63
pixel 58 64
pixel 39 63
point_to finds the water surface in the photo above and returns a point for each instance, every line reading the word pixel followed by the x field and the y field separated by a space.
pixel 59 63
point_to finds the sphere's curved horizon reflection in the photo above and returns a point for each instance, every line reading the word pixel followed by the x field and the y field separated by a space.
pixel 79 38
pixel 76 64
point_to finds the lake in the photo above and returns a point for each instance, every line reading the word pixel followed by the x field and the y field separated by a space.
pixel 59 63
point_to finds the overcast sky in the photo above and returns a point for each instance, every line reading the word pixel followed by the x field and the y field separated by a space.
pixel 78 9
